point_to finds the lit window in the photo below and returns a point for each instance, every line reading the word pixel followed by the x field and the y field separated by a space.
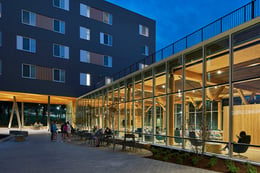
pixel 84 33
pixel 28 18
pixel 85 79
pixel 107 61
pixel 25 44
pixel 141 66
pixel 63 4
pixel 143 30
pixel 107 18
pixel 84 10
pixel 58 75
pixel 58 26
pixel 60 51
pixel 108 80
pixel 105 39
pixel 28 71
pixel 145 50
pixel 84 56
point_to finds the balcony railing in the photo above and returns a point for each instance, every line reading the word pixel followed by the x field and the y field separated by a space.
pixel 227 22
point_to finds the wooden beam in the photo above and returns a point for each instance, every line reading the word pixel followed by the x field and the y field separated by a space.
pixel 252 96
pixel 219 91
pixel 242 96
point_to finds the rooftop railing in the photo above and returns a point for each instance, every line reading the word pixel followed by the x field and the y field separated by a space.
pixel 227 22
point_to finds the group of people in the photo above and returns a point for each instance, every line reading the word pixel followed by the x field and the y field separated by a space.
pixel 65 131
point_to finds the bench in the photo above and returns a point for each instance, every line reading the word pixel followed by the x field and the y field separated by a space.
pixel 131 143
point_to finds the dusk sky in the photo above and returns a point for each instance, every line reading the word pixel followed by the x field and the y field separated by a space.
pixel 178 18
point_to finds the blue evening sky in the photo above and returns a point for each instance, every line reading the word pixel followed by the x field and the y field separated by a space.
pixel 178 18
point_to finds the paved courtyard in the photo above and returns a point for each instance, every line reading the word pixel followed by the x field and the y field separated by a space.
pixel 37 154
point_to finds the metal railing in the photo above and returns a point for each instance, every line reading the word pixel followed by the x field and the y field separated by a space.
pixel 227 22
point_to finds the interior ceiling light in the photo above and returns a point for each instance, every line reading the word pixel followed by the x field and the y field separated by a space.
pixel 163 86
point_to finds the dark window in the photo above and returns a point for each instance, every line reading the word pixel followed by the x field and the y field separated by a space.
pixel 26 71
pixel 26 44
pixel 56 75
pixel 56 24
pixel 26 17
pixel 56 3
pixel 56 50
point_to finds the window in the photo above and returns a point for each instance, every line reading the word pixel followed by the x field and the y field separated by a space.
pixel 141 66
pixel 28 71
pixel 63 4
pixel 85 79
pixel 105 39
pixel 28 18
pixel 107 61
pixel 60 51
pixel 25 44
pixel 84 56
pixel 84 33
pixel 58 26
pixel 108 80
pixel 145 50
pixel 0 10
pixel 107 18
pixel 143 30
pixel 0 39
pixel 58 75
pixel 84 10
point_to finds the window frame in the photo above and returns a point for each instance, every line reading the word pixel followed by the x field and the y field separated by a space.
pixel 109 61
pixel 61 72
pixel 20 45
pixel 109 18
pixel 61 54
pixel 30 71
pixel 63 4
pixel 61 29
pixel 145 50
pixel 84 33
pixel 109 39
pixel 145 29
pixel 84 10
pixel 82 59
pixel 87 79
pixel 31 20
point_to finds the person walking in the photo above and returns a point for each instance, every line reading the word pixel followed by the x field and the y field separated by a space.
pixel 53 131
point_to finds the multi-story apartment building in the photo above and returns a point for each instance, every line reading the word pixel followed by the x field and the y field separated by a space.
pixel 65 47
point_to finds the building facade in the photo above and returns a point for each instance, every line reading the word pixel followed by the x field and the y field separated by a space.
pixel 65 47
pixel 201 95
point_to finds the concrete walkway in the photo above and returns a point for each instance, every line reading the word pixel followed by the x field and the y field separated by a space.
pixel 37 154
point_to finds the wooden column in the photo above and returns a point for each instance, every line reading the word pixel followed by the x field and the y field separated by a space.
pixel 219 115
pixel 22 114
pixel 49 111
pixel 15 108
pixel 171 109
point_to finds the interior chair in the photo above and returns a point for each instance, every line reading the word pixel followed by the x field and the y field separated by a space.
pixel 242 146
pixel 177 134
pixel 195 142
pixel 160 138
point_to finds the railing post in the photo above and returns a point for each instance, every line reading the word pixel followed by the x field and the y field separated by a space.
pixel 253 9
pixel 221 25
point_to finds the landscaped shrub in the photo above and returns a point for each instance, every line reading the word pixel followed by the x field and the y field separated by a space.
pixel 185 155
pixel 250 169
pixel 179 160
pixel 213 161
pixel 231 166
pixel 195 160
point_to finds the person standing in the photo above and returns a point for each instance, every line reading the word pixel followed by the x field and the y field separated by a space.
pixel 69 131
pixel 53 131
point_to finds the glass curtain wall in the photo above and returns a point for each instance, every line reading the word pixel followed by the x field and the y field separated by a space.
pixel 202 98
